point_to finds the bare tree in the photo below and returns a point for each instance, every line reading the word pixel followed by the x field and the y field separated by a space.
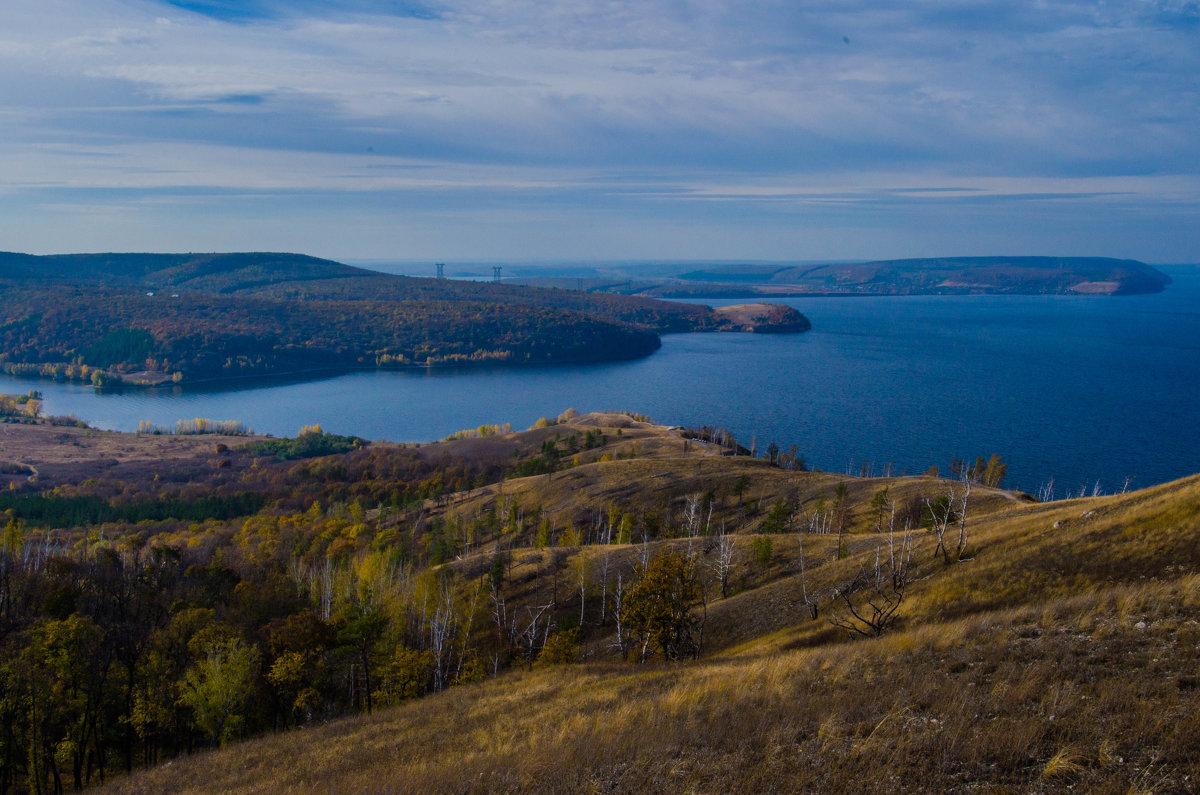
pixel 618 614
pixel 722 564
pixel 506 628
pixel 530 633
pixel 582 571
pixel 872 598
pixel 821 519
pixel 941 510
pixel 691 515
pixel 645 550
pixel 812 606
pixel 962 520
pixel 872 607
pixel 441 631
pixel 604 588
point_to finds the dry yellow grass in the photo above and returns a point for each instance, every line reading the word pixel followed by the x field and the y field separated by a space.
pixel 972 703
pixel 1058 656
pixel 48 445
pixel 652 473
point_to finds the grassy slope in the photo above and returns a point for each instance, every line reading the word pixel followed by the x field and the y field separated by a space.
pixel 67 455
pixel 1063 653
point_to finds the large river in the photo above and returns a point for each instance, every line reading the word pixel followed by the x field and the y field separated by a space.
pixel 1078 389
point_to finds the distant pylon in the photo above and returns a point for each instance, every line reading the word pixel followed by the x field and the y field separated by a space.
pixel 441 270
pixel 495 273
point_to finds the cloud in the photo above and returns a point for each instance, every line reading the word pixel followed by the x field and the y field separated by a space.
pixel 637 108
pixel 244 10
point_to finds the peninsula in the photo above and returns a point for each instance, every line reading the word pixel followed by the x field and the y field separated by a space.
pixel 150 319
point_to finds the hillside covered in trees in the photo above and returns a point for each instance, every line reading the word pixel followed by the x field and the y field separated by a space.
pixel 595 603
pixel 158 318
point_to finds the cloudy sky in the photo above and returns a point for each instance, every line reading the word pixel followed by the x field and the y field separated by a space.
pixel 602 129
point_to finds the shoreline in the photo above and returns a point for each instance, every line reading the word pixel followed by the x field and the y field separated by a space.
pixel 731 295
pixel 167 383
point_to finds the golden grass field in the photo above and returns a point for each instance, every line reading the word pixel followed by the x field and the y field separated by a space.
pixel 1062 652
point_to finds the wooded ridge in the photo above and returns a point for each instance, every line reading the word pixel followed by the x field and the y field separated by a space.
pixel 155 318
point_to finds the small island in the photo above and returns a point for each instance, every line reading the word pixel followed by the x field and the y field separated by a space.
pixel 764 318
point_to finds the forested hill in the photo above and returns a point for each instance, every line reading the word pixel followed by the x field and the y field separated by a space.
pixel 297 276
pixel 154 318
pixel 948 275
pixel 221 273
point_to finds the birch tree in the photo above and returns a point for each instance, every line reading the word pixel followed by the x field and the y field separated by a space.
pixel 722 564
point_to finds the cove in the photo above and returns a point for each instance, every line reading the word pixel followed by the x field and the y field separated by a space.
pixel 1076 388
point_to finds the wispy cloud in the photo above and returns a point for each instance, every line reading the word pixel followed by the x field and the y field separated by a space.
pixel 636 112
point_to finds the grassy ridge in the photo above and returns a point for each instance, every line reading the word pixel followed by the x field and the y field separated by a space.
pixel 1060 652
pixel 1057 650
pixel 1031 699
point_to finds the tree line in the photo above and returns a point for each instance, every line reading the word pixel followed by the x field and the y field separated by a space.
pixel 91 333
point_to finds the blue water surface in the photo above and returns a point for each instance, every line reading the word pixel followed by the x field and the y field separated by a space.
pixel 1075 388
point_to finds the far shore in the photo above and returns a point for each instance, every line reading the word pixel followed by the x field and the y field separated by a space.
pixel 164 380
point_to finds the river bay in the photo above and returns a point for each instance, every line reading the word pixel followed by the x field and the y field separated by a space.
pixel 1083 390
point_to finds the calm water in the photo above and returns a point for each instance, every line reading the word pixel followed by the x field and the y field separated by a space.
pixel 1075 388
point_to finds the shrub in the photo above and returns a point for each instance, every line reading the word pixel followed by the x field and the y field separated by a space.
pixel 562 648
pixel 762 550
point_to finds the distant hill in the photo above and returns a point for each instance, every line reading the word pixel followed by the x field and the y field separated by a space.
pixel 202 272
pixel 153 318
pixel 301 277
pixel 939 276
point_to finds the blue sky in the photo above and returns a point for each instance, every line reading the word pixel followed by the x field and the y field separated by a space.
pixel 606 129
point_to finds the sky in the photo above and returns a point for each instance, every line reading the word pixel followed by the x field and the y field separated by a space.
pixel 515 130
